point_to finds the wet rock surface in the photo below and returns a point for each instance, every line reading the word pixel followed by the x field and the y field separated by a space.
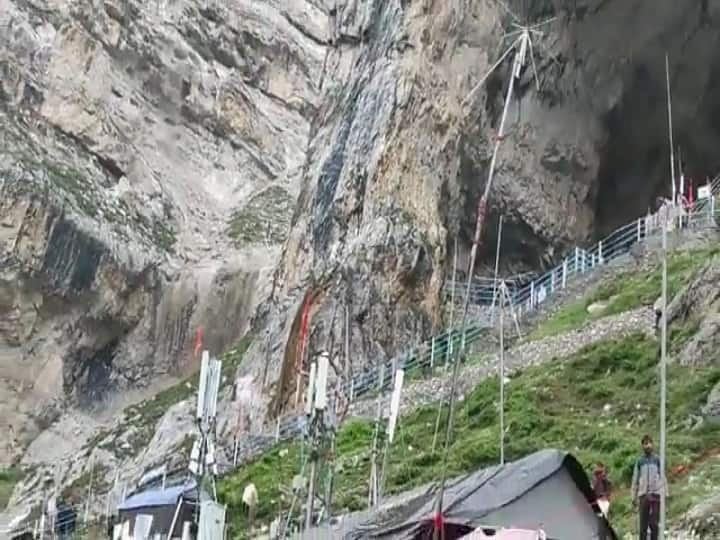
pixel 150 155
pixel 131 135
pixel 398 156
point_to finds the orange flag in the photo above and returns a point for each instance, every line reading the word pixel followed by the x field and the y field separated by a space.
pixel 198 341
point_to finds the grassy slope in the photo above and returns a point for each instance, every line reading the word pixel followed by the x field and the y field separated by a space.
pixel 626 292
pixel 560 405
pixel 8 479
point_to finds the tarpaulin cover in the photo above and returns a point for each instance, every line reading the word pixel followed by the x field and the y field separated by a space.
pixel 495 492
pixel 503 534
pixel 160 497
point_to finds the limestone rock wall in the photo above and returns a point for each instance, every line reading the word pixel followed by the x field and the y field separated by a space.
pixel 133 138
pixel 400 149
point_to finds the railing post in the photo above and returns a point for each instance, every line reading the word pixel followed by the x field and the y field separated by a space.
pixel 712 207
pixel 577 258
pixel 552 280
pixel 532 294
pixel 600 253
pixel 583 256
pixel 564 274
pixel 432 353
pixel 639 230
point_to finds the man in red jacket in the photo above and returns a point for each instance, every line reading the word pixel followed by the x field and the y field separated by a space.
pixel 602 488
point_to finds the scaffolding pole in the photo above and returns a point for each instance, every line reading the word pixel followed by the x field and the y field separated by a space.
pixel 519 61
pixel 497 269
pixel 663 378
pixel 670 129
pixel 502 375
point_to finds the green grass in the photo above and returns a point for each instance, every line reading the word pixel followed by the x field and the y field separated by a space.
pixel 560 405
pixel 626 292
pixel 698 484
pixel 8 478
pixel 265 217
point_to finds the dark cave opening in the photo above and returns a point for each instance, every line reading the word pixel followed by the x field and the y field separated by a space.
pixel 612 72
pixel 635 162
pixel 91 373
pixel 520 247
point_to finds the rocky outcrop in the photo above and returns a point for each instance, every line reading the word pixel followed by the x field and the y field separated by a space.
pixel 697 309
pixel 695 313
pixel 136 143
pixel 703 521
pixel 167 142
pixel 401 145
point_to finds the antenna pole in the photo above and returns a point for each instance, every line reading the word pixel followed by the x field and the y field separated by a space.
pixel 452 293
pixel 318 430
pixel 497 267
pixel 374 477
pixel 518 63
pixel 311 490
pixel 663 378
pixel 502 374
pixel 670 129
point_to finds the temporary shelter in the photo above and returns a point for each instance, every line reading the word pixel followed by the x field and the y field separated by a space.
pixel 505 534
pixel 548 491
pixel 169 508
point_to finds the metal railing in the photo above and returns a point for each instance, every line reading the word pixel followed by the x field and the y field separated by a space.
pixel 70 523
pixel 438 351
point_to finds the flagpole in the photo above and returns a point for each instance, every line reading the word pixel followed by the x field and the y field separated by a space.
pixel 663 379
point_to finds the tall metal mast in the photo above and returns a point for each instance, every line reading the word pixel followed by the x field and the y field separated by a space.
pixel 670 130
pixel 663 377
pixel 522 45
pixel 663 327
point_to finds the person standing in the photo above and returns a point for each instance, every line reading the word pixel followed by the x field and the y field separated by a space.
pixel 648 483
pixel 602 488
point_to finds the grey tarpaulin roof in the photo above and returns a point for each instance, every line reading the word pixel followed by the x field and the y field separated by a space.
pixel 160 497
pixel 470 498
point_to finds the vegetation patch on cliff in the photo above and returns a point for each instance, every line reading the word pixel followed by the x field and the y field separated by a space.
pixel 8 478
pixel 626 292
pixel 265 218
pixel 596 404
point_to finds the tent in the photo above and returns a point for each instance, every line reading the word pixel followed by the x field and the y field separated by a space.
pixel 547 490
pixel 162 505
pixel 504 534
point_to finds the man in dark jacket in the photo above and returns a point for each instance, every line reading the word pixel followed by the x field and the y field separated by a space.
pixel 648 483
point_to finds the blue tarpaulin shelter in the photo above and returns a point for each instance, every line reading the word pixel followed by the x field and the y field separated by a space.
pixel 169 507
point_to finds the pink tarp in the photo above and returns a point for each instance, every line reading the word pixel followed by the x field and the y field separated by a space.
pixel 505 534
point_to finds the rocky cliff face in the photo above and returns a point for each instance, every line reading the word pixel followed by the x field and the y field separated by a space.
pixel 401 145
pixel 148 157
pixel 156 155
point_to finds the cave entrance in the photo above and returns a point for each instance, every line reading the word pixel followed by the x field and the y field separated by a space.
pixel 635 161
